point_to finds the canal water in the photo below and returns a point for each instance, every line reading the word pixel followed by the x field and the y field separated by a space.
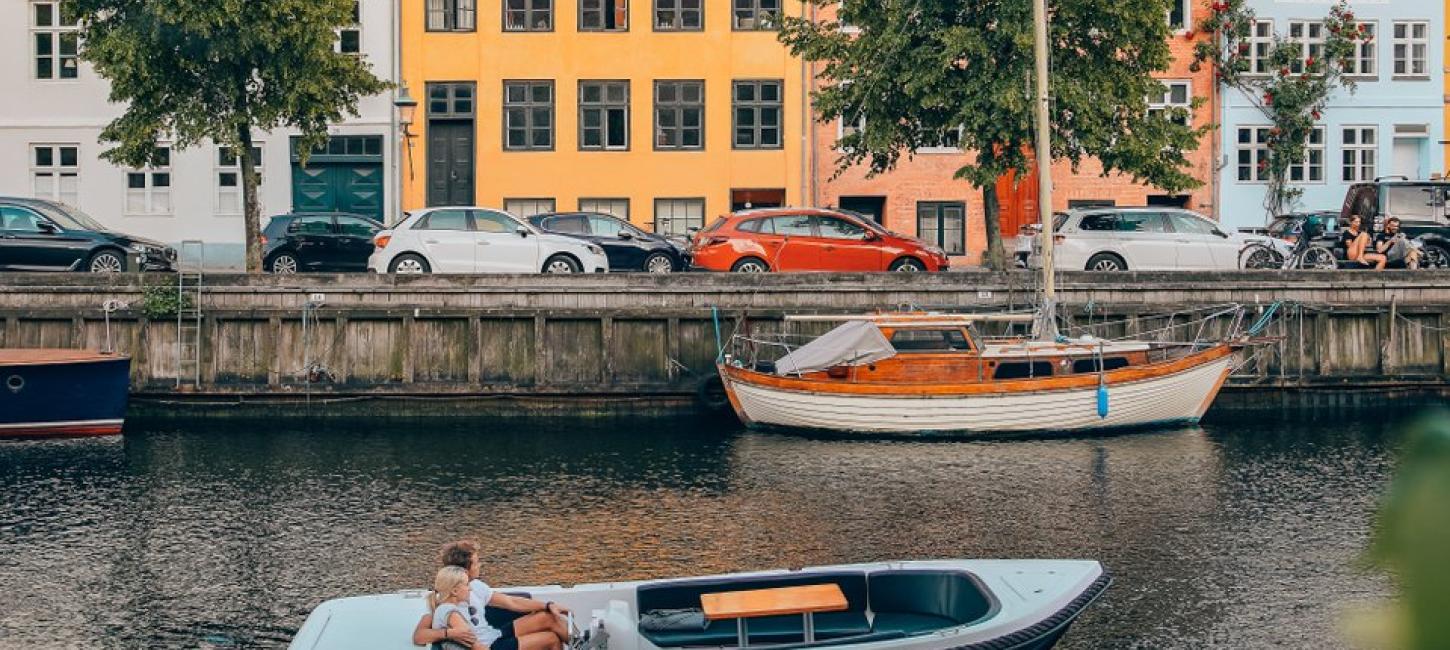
pixel 1241 533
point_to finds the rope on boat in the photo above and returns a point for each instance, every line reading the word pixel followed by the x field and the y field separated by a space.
pixel 1264 319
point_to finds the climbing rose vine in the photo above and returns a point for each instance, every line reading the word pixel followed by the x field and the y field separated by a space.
pixel 1288 80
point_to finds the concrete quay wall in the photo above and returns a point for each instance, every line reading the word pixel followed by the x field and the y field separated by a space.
pixel 645 342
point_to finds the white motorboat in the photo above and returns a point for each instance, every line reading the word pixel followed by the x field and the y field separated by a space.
pixel 923 605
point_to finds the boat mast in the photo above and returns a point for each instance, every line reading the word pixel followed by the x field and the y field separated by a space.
pixel 1047 318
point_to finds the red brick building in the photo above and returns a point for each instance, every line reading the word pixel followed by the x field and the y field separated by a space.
pixel 920 196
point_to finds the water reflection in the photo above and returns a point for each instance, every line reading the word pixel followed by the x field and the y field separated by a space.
pixel 215 533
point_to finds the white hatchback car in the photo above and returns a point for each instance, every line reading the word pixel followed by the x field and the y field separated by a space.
pixel 1141 239
pixel 479 240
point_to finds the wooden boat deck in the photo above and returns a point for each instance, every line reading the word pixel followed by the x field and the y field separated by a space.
pixel 45 356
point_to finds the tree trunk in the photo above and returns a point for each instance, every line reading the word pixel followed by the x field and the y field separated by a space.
pixel 251 219
pixel 996 258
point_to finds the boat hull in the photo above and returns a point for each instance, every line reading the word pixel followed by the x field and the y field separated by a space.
pixel 1177 392
pixel 66 395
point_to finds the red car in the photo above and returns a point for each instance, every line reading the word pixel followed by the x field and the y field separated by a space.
pixel 808 239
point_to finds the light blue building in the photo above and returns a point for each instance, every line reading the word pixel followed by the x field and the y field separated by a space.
pixel 1391 125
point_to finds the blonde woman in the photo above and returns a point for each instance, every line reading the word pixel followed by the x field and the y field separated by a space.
pixel 448 603
pixel 539 625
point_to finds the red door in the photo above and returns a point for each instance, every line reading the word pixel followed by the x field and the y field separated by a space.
pixel 844 247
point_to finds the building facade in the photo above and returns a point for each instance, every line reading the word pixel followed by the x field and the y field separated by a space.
pixel 1392 125
pixel 667 113
pixel 49 144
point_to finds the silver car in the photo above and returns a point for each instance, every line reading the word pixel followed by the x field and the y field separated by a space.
pixel 1142 239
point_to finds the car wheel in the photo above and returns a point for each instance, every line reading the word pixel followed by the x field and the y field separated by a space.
pixel 283 264
pixel 750 265
pixel 561 264
pixel 1434 257
pixel 908 265
pixel 659 263
pixel 409 264
pixel 1106 262
pixel 106 262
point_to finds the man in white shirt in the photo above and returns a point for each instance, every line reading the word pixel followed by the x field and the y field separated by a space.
pixel 539 628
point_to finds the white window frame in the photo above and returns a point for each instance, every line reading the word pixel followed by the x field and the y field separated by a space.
pixel 679 209
pixel 526 207
pixel 1309 45
pixel 223 193
pixel 150 195
pixel 1360 160
pixel 1187 7
pixel 1364 63
pixel 1261 45
pixel 57 32
pixel 1410 43
pixel 1259 150
pixel 946 149
pixel 356 26
pixel 605 206
pixel 1304 167
pixel 1164 103
pixel 54 173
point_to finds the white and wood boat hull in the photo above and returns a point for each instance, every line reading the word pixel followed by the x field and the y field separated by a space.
pixel 1179 396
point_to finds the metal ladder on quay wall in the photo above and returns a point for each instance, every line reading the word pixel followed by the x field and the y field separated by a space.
pixel 191 261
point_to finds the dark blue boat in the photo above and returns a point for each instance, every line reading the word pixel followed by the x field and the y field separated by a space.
pixel 45 393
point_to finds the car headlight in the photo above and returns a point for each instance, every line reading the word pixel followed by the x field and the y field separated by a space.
pixel 595 249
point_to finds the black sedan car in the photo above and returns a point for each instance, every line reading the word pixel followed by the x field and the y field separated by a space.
pixel 39 235
pixel 318 241
pixel 627 247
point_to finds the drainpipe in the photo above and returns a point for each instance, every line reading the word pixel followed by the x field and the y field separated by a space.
pixel 395 167
pixel 807 155
pixel 809 103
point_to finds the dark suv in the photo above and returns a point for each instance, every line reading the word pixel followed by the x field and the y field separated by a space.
pixel 39 235
pixel 1420 205
pixel 318 241
pixel 627 247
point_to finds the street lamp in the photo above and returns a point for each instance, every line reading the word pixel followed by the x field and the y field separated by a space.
pixel 406 106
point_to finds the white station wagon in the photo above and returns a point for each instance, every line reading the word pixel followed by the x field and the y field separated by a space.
pixel 479 240
pixel 1141 239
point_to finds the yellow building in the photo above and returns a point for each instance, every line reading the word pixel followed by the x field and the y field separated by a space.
pixel 669 112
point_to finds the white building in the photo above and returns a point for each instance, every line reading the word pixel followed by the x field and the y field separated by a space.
pixel 56 108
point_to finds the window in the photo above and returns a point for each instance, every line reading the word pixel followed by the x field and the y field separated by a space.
pixel 948 141
pixel 793 226
pixel 753 15
pixel 528 108
pixel 55 32
pixel 229 178
pixel 1411 48
pixel 944 340
pixel 450 100
pixel 679 115
pixel 603 15
pixel 148 191
pixel 616 207
pixel 1311 169
pixel 603 115
pixel 311 225
pixel 528 15
pixel 944 224
pixel 574 224
pixel 1191 225
pixel 1364 62
pixel 355 227
pixel 758 110
pixel 451 15
pixel 606 227
pixel 1260 43
pixel 1174 104
pixel 678 216
pixel 444 220
pixel 1360 146
pixel 340 148
pixel 1308 35
pixel 1099 365
pixel 1253 154
pixel 1022 370
pixel 18 219
pixel 679 16
pixel 1179 14
pixel 494 222
pixel 55 172
pixel 349 38
pixel 528 207
pixel 833 228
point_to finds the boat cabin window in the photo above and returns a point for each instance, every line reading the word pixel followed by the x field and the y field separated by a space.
pixel 1022 369
pixel 1091 365
pixel 937 340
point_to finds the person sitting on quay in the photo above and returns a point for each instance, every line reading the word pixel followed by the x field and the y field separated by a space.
pixel 1356 244
pixel 539 628
pixel 1395 247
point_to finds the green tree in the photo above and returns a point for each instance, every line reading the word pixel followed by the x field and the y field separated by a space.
pixel 189 71
pixel 1287 81
pixel 917 70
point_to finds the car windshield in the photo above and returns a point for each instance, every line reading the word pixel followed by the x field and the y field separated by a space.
pixel 1058 219
pixel 74 219
pixel 1415 202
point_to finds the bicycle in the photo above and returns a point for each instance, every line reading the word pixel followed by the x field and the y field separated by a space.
pixel 1304 254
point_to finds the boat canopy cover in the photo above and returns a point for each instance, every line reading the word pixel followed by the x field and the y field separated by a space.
pixel 855 343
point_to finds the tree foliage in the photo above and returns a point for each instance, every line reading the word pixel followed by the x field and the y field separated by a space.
pixel 1289 84
pixel 916 70
pixel 191 71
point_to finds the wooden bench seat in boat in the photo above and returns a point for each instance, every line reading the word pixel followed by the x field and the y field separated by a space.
pixel 768 629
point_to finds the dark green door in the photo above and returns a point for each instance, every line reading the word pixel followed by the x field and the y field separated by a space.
pixel 344 175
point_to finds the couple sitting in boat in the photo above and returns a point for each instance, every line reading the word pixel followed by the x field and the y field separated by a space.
pixel 457 604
